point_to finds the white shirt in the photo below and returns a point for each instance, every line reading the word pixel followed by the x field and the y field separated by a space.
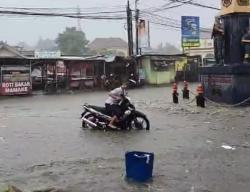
pixel 116 93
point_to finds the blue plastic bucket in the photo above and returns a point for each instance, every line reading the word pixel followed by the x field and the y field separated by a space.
pixel 139 165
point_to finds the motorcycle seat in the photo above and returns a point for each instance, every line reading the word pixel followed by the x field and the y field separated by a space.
pixel 99 109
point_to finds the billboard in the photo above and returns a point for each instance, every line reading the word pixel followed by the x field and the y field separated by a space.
pixel 190 31
pixel 47 54
pixel 143 34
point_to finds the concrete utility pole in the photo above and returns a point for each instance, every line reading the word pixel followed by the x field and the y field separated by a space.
pixel 130 30
pixel 137 13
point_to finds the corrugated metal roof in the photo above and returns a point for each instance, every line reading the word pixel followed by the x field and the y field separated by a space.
pixel 16 54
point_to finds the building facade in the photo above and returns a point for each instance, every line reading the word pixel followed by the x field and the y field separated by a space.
pixel 159 69
pixel 206 48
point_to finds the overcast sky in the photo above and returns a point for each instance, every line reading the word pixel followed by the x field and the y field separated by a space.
pixel 29 29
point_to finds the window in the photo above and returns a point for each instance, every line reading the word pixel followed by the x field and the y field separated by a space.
pixel 209 61
pixel 161 65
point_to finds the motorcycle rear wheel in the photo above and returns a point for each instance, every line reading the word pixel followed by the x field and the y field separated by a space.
pixel 139 123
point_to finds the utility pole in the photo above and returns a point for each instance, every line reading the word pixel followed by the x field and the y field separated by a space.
pixel 130 30
pixel 79 27
pixel 137 13
pixel 149 44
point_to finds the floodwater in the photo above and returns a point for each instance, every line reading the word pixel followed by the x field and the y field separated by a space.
pixel 42 145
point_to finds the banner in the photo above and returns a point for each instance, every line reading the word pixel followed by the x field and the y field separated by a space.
pixel 47 54
pixel 190 30
pixel 16 88
pixel 143 34
pixel 15 80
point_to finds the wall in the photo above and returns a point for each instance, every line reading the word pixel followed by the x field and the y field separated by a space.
pixel 157 77
pixel 113 51
pixel 206 49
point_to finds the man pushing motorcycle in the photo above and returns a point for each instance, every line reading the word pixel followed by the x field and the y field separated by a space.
pixel 112 104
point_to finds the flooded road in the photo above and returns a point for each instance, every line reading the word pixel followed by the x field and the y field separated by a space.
pixel 42 145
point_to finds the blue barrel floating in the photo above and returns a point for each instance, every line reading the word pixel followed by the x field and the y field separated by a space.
pixel 139 165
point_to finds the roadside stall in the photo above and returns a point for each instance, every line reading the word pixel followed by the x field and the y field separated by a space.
pixel 15 73
pixel 15 80
pixel 81 73
pixel 159 69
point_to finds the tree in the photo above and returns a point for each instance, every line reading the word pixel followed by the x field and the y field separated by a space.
pixel 167 49
pixel 72 42
pixel 46 45
pixel 24 45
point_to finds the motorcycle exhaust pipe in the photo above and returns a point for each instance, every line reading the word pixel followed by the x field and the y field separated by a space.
pixel 89 122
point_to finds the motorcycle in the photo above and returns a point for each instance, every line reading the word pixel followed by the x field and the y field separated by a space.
pixel 97 117
pixel 111 82
pixel 134 82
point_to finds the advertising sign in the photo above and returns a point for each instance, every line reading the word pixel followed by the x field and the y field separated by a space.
pixel 143 34
pixel 190 30
pixel 16 88
pixel 47 54
pixel 60 68
pixel 15 80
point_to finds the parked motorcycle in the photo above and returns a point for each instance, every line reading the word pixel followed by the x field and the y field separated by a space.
pixel 97 117
pixel 111 82
pixel 132 83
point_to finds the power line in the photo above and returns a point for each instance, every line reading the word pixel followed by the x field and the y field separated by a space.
pixel 148 14
pixel 98 15
pixel 167 25
pixel 174 26
pixel 196 4
pixel 67 15
pixel 73 12
pixel 163 20
pixel 167 6
pixel 63 8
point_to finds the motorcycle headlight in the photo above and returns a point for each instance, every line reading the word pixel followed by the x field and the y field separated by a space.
pixel 128 112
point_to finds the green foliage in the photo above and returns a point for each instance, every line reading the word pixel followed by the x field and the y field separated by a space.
pixel 46 45
pixel 167 49
pixel 72 42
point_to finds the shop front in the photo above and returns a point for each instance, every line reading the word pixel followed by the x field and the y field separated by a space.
pixel 15 80
pixel 81 75
pixel 159 69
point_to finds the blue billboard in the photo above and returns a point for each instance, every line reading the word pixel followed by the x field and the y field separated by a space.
pixel 190 31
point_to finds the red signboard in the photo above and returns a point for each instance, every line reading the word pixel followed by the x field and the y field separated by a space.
pixel 16 88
